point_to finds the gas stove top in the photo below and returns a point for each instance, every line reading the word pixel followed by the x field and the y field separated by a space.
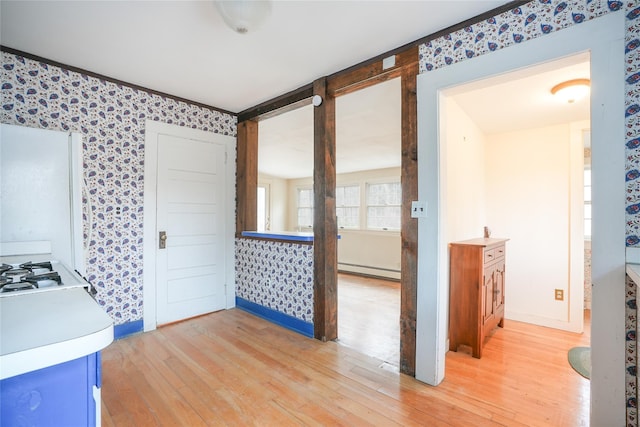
pixel 18 278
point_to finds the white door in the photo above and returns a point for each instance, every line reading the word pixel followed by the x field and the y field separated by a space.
pixel 190 268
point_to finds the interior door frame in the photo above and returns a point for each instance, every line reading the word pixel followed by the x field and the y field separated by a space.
pixel 150 241
pixel 604 38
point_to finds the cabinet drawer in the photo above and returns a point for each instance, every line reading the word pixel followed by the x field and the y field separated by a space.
pixel 489 255
pixel 493 254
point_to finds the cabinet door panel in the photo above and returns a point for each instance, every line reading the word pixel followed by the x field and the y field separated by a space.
pixel 499 284
pixel 488 306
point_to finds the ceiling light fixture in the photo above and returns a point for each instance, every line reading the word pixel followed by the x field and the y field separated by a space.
pixel 572 90
pixel 243 15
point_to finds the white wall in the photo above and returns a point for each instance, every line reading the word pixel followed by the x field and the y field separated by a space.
pixel 370 252
pixel 360 251
pixel 464 182
pixel 529 192
pixel 519 185
pixel 278 201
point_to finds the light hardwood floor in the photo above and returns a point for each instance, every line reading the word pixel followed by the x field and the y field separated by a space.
pixel 369 317
pixel 231 368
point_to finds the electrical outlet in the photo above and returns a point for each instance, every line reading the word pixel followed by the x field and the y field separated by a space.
pixel 418 209
pixel 559 295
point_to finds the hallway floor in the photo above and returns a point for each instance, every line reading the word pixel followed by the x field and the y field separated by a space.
pixel 520 361
pixel 369 317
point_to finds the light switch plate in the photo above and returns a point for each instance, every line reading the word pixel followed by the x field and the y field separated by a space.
pixel 418 209
pixel 389 62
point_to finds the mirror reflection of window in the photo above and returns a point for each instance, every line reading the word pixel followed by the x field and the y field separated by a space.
pixel 263 209
pixel 305 208
pixel 384 202
pixel 348 206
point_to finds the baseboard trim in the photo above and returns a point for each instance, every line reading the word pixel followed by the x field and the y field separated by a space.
pixel 382 273
pixel 126 329
pixel 282 319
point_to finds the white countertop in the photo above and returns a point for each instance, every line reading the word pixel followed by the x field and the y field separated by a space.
pixel 44 329
pixel 633 270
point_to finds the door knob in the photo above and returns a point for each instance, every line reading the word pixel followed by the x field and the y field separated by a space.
pixel 163 239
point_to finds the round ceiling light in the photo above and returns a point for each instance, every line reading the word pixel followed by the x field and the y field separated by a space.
pixel 572 90
pixel 243 15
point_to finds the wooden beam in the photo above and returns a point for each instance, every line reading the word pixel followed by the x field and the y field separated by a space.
pixel 443 32
pixel 409 227
pixel 247 177
pixel 371 74
pixel 279 105
pixel 325 223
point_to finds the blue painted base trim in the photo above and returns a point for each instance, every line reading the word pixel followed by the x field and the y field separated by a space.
pixel 126 329
pixel 284 320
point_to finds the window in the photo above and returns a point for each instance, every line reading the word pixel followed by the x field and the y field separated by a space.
pixel 305 208
pixel 348 206
pixel 263 208
pixel 587 203
pixel 383 206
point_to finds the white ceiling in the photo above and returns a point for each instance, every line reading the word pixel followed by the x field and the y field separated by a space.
pixel 183 48
pixel 522 99
pixel 367 135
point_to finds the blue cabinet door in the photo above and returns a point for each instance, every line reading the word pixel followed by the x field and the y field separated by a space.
pixel 60 395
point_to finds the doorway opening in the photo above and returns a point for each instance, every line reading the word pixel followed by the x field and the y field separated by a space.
pixel 603 39
pixel 368 209
pixel 528 155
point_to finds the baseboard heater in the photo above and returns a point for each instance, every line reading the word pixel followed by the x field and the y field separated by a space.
pixel 366 271
pixel 391 270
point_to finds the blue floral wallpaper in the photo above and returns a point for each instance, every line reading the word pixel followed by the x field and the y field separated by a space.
pixel 111 119
pixel 277 275
pixel 535 19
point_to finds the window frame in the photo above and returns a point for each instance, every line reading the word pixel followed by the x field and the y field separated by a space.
pixel 358 217
pixel 298 207
pixel 368 205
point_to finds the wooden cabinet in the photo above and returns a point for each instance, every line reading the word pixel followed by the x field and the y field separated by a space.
pixel 476 291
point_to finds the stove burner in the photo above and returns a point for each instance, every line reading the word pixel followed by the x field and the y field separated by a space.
pixel 16 272
pixel 31 277
pixel 33 265
pixel 35 278
pixel 20 286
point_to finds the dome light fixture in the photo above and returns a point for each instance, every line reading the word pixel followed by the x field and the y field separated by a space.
pixel 572 90
pixel 243 16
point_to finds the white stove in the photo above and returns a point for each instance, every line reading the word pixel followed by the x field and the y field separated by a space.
pixel 19 277
pixel 41 242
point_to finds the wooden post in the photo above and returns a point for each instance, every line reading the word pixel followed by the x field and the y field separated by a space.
pixel 325 223
pixel 247 177
pixel 409 231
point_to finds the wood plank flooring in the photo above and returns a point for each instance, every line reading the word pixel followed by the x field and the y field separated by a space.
pixel 369 316
pixel 231 368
